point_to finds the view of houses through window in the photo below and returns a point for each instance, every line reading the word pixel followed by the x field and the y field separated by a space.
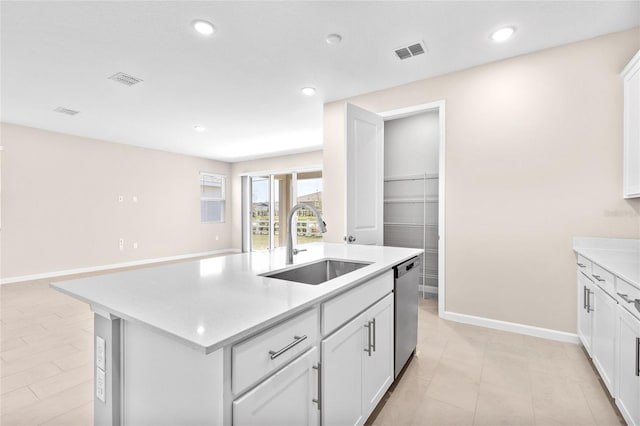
pixel 272 197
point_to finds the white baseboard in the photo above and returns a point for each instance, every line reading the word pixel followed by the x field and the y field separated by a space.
pixel 111 266
pixel 513 327
pixel 428 289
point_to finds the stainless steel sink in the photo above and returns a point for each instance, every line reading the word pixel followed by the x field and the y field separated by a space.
pixel 317 272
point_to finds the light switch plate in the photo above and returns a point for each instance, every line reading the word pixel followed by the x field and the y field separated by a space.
pixel 100 353
pixel 101 385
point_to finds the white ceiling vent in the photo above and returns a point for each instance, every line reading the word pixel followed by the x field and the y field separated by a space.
pixel 414 49
pixel 66 111
pixel 126 79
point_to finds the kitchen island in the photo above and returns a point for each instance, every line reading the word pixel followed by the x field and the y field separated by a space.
pixel 212 341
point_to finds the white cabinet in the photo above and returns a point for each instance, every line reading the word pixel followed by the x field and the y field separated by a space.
pixel 289 397
pixel 631 168
pixel 628 354
pixel 585 310
pixel 604 337
pixel 358 365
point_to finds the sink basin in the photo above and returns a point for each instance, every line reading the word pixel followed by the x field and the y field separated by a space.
pixel 317 272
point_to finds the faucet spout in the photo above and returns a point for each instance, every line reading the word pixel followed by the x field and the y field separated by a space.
pixel 321 224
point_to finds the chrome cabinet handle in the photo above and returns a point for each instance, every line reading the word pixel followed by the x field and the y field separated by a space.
pixel 584 296
pixel 625 298
pixel 638 356
pixel 589 293
pixel 319 369
pixel 374 334
pixel 369 346
pixel 298 339
pixel 597 277
pixel 581 265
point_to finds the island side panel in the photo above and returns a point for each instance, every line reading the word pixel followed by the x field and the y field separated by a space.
pixel 107 373
pixel 168 383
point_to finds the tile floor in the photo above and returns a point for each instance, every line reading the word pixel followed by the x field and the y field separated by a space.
pixel 461 375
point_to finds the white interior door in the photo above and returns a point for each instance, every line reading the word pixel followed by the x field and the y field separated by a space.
pixel 365 176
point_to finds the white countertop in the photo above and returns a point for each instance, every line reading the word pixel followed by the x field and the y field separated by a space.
pixel 619 256
pixel 210 303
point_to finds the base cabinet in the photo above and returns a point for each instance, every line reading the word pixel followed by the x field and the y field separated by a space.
pixel 585 311
pixel 358 365
pixel 604 337
pixel 628 373
pixel 289 397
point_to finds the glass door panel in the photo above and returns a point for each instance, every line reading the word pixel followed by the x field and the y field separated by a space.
pixel 260 205
pixel 309 191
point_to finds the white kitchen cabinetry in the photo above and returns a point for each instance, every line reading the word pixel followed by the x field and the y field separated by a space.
pixel 358 365
pixel 585 306
pixel 604 336
pixel 631 76
pixel 289 397
pixel 628 356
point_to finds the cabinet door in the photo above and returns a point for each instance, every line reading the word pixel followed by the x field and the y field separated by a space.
pixel 628 371
pixel 604 337
pixel 585 314
pixel 342 374
pixel 286 398
pixel 378 363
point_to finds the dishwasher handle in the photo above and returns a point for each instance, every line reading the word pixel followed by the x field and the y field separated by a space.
pixel 405 267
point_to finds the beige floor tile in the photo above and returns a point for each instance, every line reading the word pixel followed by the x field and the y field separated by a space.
pixel 465 349
pixel 13 367
pixel 27 377
pixel 559 398
pixel 81 416
pixel 434 412
pixel 507 371
pixel 50 408
pixel 602 407
pixel 17 399
pixel 449 388
pixel 11 344
pixel 78 359
pixel 500 406
pixel 62 381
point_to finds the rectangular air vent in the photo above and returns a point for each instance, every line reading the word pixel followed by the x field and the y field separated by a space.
pixel 126 79
pixel 414 49
pixel 66 111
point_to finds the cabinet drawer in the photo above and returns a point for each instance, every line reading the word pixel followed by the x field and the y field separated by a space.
pixel 262 354
pixel 341 309
pixel 604 279
pixel 584 265
pixel 627 295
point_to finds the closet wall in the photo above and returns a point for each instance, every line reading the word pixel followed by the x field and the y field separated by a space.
pixel 411 160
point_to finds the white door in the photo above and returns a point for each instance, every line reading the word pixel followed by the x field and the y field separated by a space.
pixel 342 380
pixel 585 314
pixel 365 176
pixel 628 372
pixel 378 365
pixel 286 398
pixel 604 337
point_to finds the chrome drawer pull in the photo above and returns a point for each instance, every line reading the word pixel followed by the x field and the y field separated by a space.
pixel 374 334
pixel 319 368
pixel 581 265
pixel 369 345
pixel 638 356
pixel 589 308
pixel 584 297
pixel 624 297
pixel 299 339
pixel 598 277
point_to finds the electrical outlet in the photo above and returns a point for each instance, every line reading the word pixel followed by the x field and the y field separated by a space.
pixel 101 382
pixel 120 198
pixel 100 353
pixel 121 244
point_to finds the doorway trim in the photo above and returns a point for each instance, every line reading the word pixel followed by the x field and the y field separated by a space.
pixel 407 112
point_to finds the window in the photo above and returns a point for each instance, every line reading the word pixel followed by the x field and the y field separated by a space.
pixel 212 197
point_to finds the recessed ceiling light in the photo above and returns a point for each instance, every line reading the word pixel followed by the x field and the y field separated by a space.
pixel 309 91
pixel 203 27
pixel 334 38
pixel 502 34
pixel 199 128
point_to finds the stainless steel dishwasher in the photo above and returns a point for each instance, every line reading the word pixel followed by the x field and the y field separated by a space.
pixel 406 311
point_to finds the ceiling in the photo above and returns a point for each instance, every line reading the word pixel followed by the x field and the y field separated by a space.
pixel 244 82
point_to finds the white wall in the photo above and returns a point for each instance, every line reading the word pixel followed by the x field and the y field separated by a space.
pixel 60 208
pixel 411 145
pixel 533 158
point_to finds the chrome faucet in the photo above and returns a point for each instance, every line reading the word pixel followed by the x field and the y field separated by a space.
pixel 290 250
